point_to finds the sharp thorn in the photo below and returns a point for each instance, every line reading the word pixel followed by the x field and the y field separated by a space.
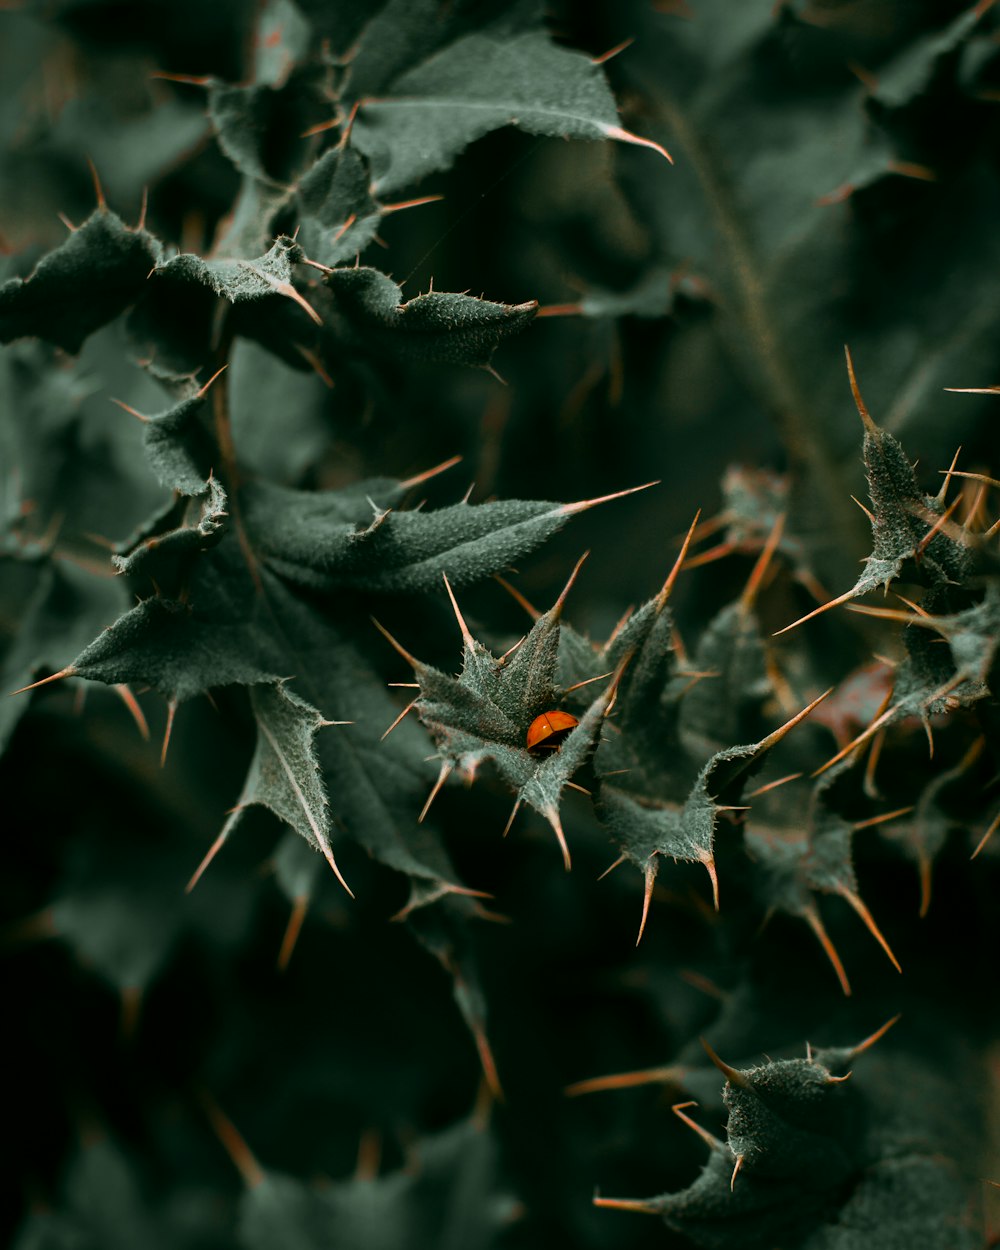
pixel 678 564
pixel 292 931
pixel 732 1075
pixel 418 478
pixel 66 672
pixel 617 864
pixel 626 136
pixel 552 816
pixel 406 710
pixel 816 924
pixel 627 1080
pixel 679 1110
pixel 869 921
pixel 397 646
pixel 863 412
pixel 168 731
pixel 570 509
pixel 650 879
pixel 467 637
pixel 877 1036
pixel 443 776
pixel 132 703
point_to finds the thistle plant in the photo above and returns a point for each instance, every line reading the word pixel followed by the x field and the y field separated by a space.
pixel 354 899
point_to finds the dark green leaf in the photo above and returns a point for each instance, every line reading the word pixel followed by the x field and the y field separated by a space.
pixel 97 273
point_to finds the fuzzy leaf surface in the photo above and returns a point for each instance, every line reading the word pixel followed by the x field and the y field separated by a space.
pixel 96 274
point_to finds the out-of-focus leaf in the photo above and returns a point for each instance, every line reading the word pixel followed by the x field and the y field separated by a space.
pixel 450 1201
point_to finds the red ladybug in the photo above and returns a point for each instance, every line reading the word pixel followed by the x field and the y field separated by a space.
pixel 548 731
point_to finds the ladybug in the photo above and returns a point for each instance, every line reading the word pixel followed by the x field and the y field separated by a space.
pixel 548 731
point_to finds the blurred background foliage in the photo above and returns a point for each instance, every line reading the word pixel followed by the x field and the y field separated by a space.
pixel 835 180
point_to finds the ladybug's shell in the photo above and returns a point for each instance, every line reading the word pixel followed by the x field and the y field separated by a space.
pixel 547 726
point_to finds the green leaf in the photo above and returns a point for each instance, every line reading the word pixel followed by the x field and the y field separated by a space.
pixel 239 280
pixel 96 274
pixel 284 772
pixel 48 609
pixel 338 213
pixel 455 329
pixel 449 1201
pixel 485 714
pixel 339 540
pixel 475 85
pixel 819 1161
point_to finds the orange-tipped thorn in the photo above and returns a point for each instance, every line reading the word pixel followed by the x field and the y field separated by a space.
pixel 510 818
pixel 192 80
pixel 863 412
pixel 427 474
pixel 557 607
pixel 577 685
pixel 402 204
pixel 869 921
pixel 406 710
pixel 714 877
pixel 292 931
pixel 321 127
pixel 626 136
pixel 102 203
pixel 732 1075
pixel 862 737
pixel 948 474
pixel 443 775
pixel 937 527
pixel 652 865
pixel 877 1036
pixel 467 637
pixel 883 819
pixel 552 816
pixel 678 564
pixel 736 1172
pixel 66 672
pixel 132 703
pixel 204 390
pixel 774 738
pixel 994 825
pixel 487 1062
pixel 627 1080
pixel 314 363
pixel 773 785
pixel 143 206
pixel 610 869
pixel 397 646
pixel 824 607
pixel 327 850
pixel 867 511
pixel 132 412
pixel 754 581
pixel 571 509
pixel 643 1206
pixel 711 1141
pixel 516 595
pixel 710 555
pixel 816 924
pixel 233 1143
pixel 213 850
pixel 619 47
pixel 168 731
